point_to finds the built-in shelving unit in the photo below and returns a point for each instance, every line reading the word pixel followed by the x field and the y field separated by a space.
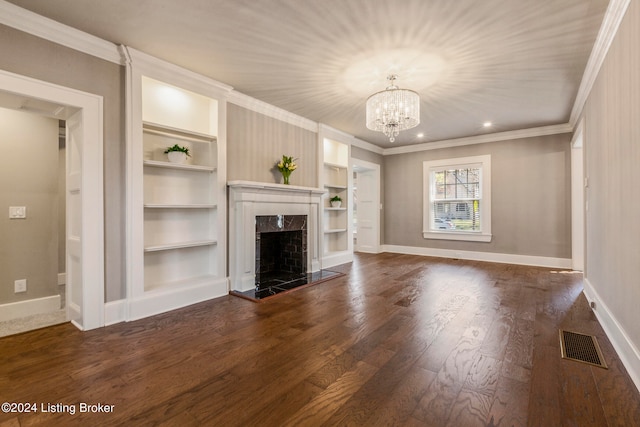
pixel 177 212
pixel 337 244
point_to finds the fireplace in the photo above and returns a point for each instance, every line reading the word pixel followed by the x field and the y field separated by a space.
pixel 250 203
pixel 281 250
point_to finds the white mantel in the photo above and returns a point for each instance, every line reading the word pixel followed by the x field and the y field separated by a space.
pixel 248 199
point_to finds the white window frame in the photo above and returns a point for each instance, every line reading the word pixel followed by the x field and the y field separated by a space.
pixel 428 168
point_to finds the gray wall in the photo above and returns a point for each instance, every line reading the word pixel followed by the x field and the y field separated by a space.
pixel 256 142
pixel 28 177
pixel 531 197
pixel 34 57
pixel 612 163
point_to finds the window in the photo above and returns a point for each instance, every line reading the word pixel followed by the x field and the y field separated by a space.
pixel 457 199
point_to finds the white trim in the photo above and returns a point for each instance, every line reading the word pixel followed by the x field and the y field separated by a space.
pixel 627 351
pixel 610 24
pixel 115 312
pixel 367 146
pixel 163 300
pixel 375 168
pixel 335 134
pixel 481 139
pixel 24 20
pixel 537 261
pixel 17 310
pixel 253 104
pixel 92 183
pixel 331 259
pixel 157 69
pixel 484 163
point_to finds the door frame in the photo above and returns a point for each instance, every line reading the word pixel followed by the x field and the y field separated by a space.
pixel 578 184
pixel 357 165
pixel 90 108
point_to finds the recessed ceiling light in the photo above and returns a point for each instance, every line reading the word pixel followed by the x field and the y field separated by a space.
pixel 420 135
pixel 487 124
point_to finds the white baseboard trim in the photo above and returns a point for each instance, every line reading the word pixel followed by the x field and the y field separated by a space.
pixel 115 312
pixel 161 301
pixel 538 261
pixel 16 310
pixel 331 260
pixel 626 349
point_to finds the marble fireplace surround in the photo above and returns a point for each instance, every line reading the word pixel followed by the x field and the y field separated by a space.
pixel 248 199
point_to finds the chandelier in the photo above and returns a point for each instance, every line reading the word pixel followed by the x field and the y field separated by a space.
pixel 393 110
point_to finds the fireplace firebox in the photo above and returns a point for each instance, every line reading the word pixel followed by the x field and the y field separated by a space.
pixel 281 250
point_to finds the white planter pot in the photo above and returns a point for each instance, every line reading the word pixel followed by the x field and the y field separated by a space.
pixel 177 157
pixel 336 204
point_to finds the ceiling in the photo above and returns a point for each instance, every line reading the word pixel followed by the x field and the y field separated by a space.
pixel 515 63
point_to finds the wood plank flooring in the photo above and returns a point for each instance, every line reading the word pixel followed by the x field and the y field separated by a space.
pixel 399 340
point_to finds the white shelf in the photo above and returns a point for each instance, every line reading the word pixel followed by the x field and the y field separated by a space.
pixel 335 230
pixel 171 246
pixel 183 283
pixel 190 206
pixel 336 186
pixel 335 165
pixel 186 135
pixel 195 168
pixel 334 209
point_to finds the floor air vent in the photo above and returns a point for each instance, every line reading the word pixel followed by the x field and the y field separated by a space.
pixel 581 348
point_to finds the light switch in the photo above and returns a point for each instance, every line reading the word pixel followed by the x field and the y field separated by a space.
pixel 17 212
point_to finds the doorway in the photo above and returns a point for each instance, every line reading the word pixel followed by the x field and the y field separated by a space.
pixel 366 206
pixel 84 218
pixel 577 199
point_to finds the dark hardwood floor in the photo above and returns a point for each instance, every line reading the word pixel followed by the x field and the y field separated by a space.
pixel 399 340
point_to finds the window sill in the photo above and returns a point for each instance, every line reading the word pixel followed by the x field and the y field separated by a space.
pixel 458 235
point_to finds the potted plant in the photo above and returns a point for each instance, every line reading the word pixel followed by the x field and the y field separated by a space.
pixel 335 201
pixel 177 153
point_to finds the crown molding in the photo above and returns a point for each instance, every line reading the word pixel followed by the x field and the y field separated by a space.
pixel 48 29
pixel 608 30
pixel 481 139
pixel 159 69
pixel 367 146
pixel 253 104
pixel 327 131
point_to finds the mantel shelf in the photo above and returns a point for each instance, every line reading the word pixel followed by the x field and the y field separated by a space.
pixel 196 168
pixel 180 245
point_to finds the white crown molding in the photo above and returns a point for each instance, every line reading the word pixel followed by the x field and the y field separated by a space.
pixel 327 131
pixel 610 24
pixel 48 29
pixel 481 139
pixel 156 68
pixel 367 146
pixel 253 104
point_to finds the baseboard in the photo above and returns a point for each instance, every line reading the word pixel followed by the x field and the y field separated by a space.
pixel 161 301
pixel 16 310
pixel 115 312
pixel 337 258
pixel 626 349
pixel 538 261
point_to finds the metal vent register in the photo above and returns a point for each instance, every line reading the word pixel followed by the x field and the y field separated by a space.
pixel 581 348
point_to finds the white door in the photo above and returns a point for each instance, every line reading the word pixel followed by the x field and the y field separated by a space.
pixel 368 209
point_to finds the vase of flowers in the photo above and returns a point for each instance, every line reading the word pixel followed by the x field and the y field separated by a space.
pixel 286 166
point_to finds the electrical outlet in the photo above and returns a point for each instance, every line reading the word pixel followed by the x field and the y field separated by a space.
pixel 20 285
pixel 17 212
